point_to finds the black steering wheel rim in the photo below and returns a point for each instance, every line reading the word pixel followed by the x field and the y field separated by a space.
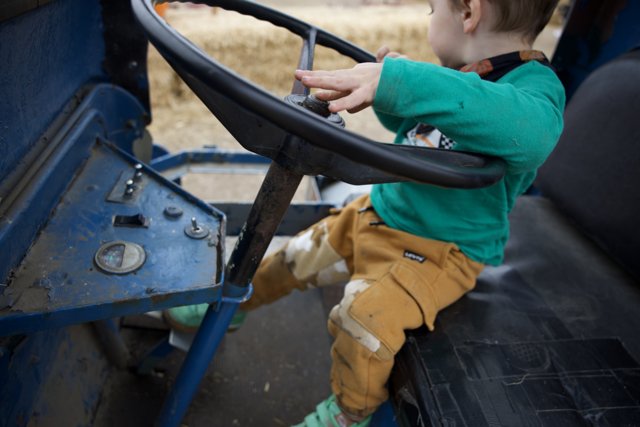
pixel 439 167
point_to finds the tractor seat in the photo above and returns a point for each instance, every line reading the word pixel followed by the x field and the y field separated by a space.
pixel 551 337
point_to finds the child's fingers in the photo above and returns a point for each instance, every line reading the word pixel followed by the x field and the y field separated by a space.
pixel 351 90
pixel 329 81
pixel 339 105
pixel 353 102
pixel 382 52
pixel 330 95
pixel 346 104
pixel 339 101
pixel 301 73
pixel 338 80
pixel 396 55
pixel 312 74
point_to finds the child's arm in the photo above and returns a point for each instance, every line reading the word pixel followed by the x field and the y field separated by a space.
pixel 519 123
pixel 518 118
pixel 390 122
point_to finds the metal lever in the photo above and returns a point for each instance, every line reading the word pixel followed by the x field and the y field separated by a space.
pixel 195 231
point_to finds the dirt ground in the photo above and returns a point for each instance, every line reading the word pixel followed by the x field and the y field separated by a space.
pixel 268 55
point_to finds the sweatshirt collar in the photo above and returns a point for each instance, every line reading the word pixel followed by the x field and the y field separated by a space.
pixel 494 68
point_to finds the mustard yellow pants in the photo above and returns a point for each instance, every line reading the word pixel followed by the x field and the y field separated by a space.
pixel 394 281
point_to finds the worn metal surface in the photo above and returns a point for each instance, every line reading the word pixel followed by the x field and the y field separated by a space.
pixel 58 282
pixel 125 58
pixel 52 108
pixel 266 213
pixel 35 84
pixel 43 175
pixel 12 8
pixel 51 378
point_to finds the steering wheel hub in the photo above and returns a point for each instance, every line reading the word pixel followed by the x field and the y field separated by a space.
pixel 316 106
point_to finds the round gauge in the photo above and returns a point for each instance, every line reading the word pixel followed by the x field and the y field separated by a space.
pixel 120 257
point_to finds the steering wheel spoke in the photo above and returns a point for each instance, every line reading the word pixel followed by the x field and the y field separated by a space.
pixel 307 54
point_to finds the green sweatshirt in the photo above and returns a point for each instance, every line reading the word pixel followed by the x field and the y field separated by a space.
pixel 517 118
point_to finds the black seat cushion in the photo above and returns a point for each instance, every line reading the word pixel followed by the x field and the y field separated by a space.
pixel 550 338
pixel 593 176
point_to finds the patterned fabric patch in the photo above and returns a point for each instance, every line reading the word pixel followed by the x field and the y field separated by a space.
pixel 532 55
pixel 313 261
pixel 340 316
pixel 427 136
pixel 446 142
pixel 481 68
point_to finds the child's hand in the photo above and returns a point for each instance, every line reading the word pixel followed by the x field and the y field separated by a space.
pixel 384 51
pixel 352 90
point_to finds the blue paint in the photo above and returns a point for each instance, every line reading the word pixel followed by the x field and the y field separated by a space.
pixel 35 81
pixel 28 362
pixel 384 416
pixel 206 342
pixel 71 384
pixel 60 279
pixel 48 56
pixel 207 155
pixel 154 356
pixel 586 45
pixel 73 143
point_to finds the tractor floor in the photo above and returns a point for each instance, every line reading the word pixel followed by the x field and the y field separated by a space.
pixel 271 372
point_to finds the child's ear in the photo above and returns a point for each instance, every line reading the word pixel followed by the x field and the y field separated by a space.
pixel 471 14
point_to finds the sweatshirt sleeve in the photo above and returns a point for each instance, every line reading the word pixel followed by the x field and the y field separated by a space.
pixel 390 122
pixel 518 118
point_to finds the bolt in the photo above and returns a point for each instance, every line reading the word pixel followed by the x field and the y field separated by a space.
pixel 128 190
pixel 194 225
pixel 137 172
pixel 173 211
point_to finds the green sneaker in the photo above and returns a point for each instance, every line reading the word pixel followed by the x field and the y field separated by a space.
pixel 329 414
pixel 189 317
pixel 237 320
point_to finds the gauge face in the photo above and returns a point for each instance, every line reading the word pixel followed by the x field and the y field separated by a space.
pixel 112 256
pixel 120 257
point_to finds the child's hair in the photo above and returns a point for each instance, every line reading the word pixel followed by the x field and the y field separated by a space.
pixel 527 17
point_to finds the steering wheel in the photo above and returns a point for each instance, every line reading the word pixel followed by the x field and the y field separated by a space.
pixel 298 133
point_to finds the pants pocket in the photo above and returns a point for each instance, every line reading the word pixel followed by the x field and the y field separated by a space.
pixel 384 310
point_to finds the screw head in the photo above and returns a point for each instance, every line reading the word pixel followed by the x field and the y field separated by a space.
pixel 173 212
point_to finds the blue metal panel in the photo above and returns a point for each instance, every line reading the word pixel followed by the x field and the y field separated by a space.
pixel 50 116
pixel 57 283
pixel 108 112
pixel 51 377
pixel 20 380
pixel 207 155
pixel 44 63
